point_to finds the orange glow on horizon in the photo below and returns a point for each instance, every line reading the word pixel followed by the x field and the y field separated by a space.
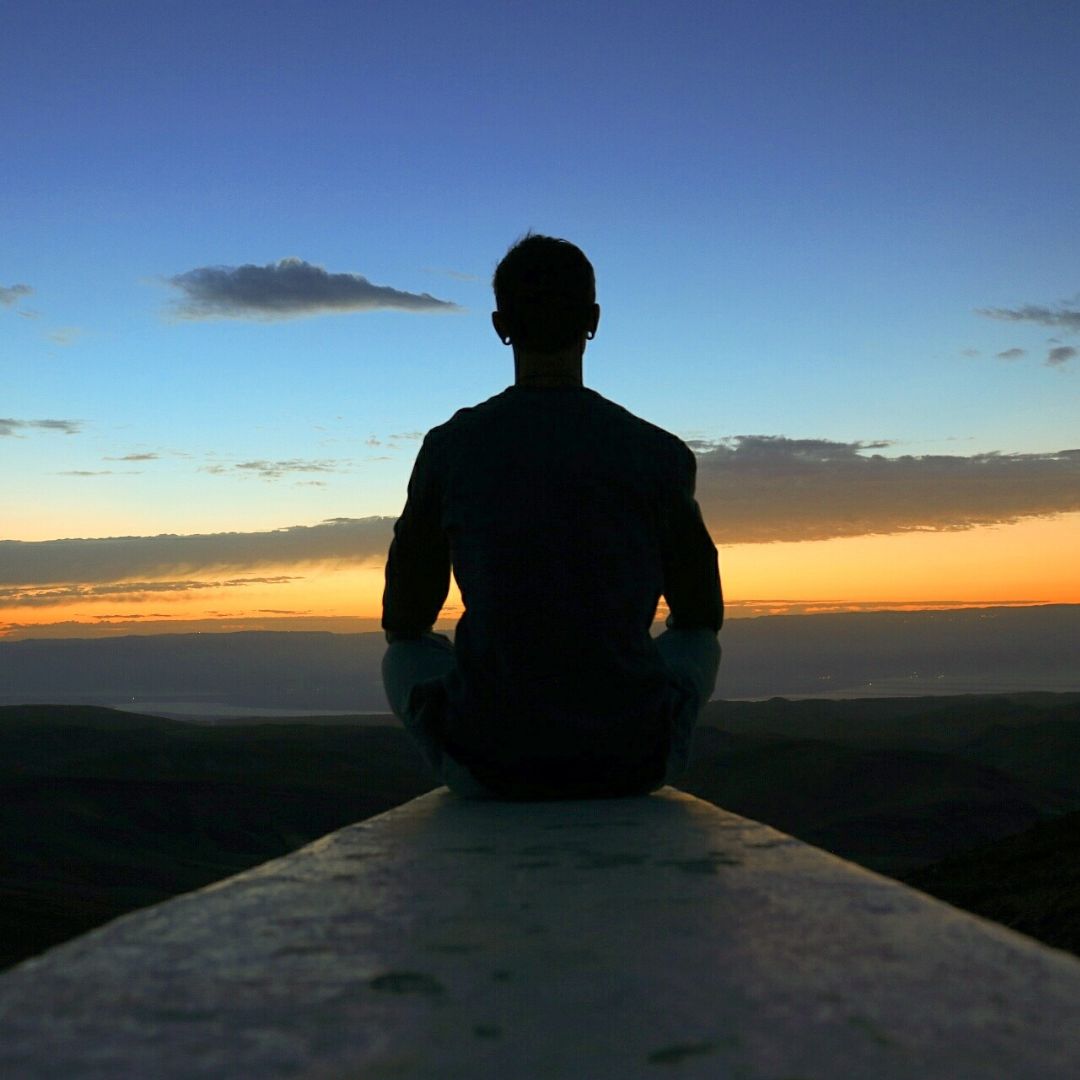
pixel 1032 562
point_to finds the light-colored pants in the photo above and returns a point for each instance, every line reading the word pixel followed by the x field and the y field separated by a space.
pixel 692 657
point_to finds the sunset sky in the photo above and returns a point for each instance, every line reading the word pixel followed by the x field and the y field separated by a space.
pixel 245 261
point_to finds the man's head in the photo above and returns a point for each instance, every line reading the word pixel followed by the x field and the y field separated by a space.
pixel 545 292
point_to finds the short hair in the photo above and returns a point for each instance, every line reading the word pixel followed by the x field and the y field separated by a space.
pixel 545 290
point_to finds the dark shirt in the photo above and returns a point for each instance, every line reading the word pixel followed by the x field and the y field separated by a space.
pixel 565 518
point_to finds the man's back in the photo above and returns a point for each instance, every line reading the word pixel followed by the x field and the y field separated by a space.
pixel 565 518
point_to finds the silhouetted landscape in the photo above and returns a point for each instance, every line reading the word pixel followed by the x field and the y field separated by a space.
pixel 975 799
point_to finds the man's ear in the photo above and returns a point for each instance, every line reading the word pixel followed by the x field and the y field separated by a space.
pixel 500 326
pixel 594 319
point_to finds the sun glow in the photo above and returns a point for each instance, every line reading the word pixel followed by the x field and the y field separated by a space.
pixel 1032 562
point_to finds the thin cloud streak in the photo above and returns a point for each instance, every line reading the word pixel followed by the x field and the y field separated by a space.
pixel 11 426
pixel 736 609
pixel 65 335
pixel 132 558
pixel 11 294
pixel 52 595
pixel 287 289
pixel 275 470
pixel 1066 315
pixel 760 489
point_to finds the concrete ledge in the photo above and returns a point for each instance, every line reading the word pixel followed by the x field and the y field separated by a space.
pixel 624 938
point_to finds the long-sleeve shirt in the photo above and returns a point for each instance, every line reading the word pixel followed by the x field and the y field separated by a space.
pixel 564 518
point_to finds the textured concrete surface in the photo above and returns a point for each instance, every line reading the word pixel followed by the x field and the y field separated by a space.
pixel 648 937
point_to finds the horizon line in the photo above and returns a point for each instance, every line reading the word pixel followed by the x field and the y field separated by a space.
pixel 743 610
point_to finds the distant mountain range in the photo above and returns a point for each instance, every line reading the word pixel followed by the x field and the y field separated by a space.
pixel 985 650
pixel 975 799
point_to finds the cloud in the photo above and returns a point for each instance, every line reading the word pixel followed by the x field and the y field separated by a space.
pixel 51 595
pixel 120 615
pixel 772 447
pixel 287 289
pixel 274 470
pixel 759 488
pixel 752 608
pixel 10 294
pixel 1012 354
pixel 117 623
pixel 752 489
pixel 65 335
pixel 1061 354
pixel 1066 314
pixel 9 426
pixel 139 558
pixel 148 456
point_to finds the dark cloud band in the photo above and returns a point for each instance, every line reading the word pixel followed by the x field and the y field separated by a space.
pixel 755 489
pixel 287 289
pixel 133 558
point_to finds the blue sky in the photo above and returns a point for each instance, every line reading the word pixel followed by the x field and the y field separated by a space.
pixel 796 212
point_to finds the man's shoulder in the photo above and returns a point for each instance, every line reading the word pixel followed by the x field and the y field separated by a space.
pixel 602 415
pixel 463 419
pixel 660 440
pixel 647 427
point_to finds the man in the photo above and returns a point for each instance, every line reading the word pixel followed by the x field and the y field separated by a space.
pixel 564 518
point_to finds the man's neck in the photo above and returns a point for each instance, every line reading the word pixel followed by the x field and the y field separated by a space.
pixel 548 369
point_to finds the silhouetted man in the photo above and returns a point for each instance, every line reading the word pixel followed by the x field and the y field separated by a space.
pixel 564 518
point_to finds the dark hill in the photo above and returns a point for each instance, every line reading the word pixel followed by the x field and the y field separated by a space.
pixel 103 811
pixel 1030 882
pixel 928 723
pixel 1047 752
pixel 21 718
pixel 890 810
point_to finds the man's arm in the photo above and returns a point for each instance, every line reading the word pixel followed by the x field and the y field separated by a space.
pixel 691 571
pixel 418 566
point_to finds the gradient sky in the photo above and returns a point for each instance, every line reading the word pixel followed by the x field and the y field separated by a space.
pixel 245 262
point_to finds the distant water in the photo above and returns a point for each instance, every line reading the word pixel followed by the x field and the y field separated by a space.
pixel 209 711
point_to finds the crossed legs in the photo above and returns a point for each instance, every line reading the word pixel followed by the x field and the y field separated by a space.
pixel 692 656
